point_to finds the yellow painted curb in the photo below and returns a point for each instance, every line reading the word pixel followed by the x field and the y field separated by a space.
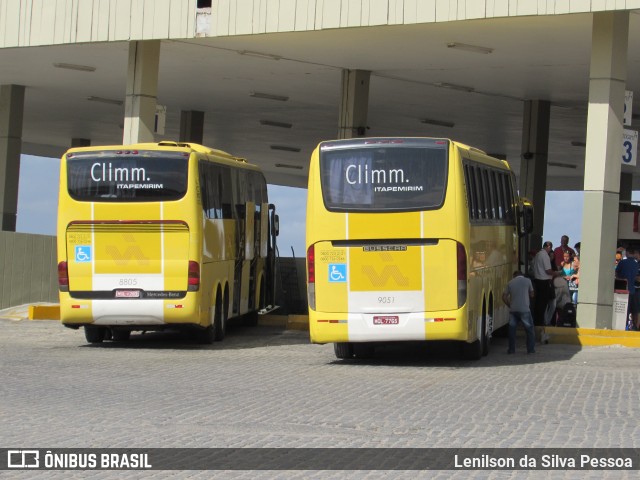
pixel 44 312
pixel 272 320
pixel 298 322
pixel 290 322
pixel 592 337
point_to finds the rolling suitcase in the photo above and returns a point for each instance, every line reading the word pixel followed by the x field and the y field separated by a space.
pixel 567 317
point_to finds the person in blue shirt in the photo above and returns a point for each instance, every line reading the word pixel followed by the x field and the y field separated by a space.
pixel 628 269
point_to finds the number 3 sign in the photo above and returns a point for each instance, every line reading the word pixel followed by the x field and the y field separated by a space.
pixel 629 147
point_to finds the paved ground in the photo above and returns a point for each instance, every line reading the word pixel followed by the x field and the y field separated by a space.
pixel 266 387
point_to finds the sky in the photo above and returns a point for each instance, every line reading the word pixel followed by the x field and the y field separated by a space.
pixel 38 204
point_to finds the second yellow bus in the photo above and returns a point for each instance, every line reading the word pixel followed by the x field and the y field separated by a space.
pixel 409 239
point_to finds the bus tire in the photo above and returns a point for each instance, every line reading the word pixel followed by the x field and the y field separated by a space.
pixel 204 336
pixel 219 322
pixel 472 351
pixel 207 335
pixel 120 335
pixel 94 334
pixel 343 350
pixel 486 338
pixel 363 350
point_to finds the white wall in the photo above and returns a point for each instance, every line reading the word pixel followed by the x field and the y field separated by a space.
pixel 49 22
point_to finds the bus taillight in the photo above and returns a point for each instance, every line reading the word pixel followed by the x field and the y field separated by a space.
pixel 462 274
pixel 194 276
pixel 63 277
pixel 311 277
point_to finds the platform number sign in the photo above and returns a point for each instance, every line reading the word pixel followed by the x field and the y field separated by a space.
pixel 629 147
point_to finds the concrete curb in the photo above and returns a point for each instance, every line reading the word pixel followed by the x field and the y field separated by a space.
pixel 37 311
pixel 44 312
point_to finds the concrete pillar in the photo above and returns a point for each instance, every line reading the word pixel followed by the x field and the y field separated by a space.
pixel 533 166
pixel 80 142
pixel 602 167
pixel 191 126
pixel 142 91
pixel 11 112
pixel 354 104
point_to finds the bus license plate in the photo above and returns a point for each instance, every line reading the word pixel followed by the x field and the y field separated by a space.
pixel 127 293
pixel 386 320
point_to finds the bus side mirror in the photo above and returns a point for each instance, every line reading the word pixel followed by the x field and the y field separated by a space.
pixel 526 220
pixel 276 225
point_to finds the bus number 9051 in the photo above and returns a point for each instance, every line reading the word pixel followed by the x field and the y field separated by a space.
pixel 386 300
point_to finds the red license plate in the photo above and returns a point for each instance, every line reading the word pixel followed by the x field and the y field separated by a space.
pixel 386 320
pixel 127 293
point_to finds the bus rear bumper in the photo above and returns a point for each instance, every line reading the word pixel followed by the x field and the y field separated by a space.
pixel 130 313
pixel 335 327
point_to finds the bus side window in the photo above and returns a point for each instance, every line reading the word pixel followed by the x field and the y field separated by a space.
pixel 474 190
pixel 204 186
pixel 494 194
pixel 214 192
pixel 509 201
pixel 240 181
pixel 208 189
pixel 225 188
pixel 479 189
pixel 491 209
pixel 470 189
pixel 500 193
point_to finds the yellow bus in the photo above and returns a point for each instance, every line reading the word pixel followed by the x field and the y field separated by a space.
pixel 162 235
pixel 409 239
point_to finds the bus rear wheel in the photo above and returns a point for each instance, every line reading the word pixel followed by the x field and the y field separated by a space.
pixel 94 334
pixel 472 351
pixel 363 350
pixel 343 350
pixel 120 335
pixel 209 334
pixel 486 338
pixel 219 322
pixel 475 350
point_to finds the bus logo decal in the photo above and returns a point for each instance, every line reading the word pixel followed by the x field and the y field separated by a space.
pixel 385 248
pixel 337 272
pixel 83 253
pixel 132 252
pixel 389 271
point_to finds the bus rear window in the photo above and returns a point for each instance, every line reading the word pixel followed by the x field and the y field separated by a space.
pixel 382 178
pixel 147 176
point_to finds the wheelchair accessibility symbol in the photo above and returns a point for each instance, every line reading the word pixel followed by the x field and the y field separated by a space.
pixel 83 253
pixel 337 272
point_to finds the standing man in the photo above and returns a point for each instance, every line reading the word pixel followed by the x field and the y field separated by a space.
pixel 561 250
pixel 542 276
pixel 517 296
pixel 628 269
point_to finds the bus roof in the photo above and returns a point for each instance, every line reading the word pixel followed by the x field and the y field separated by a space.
pixel 390 140
pixel 165 145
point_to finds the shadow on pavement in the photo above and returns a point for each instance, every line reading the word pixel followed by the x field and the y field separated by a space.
pixel 237 337
pixel 447 355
